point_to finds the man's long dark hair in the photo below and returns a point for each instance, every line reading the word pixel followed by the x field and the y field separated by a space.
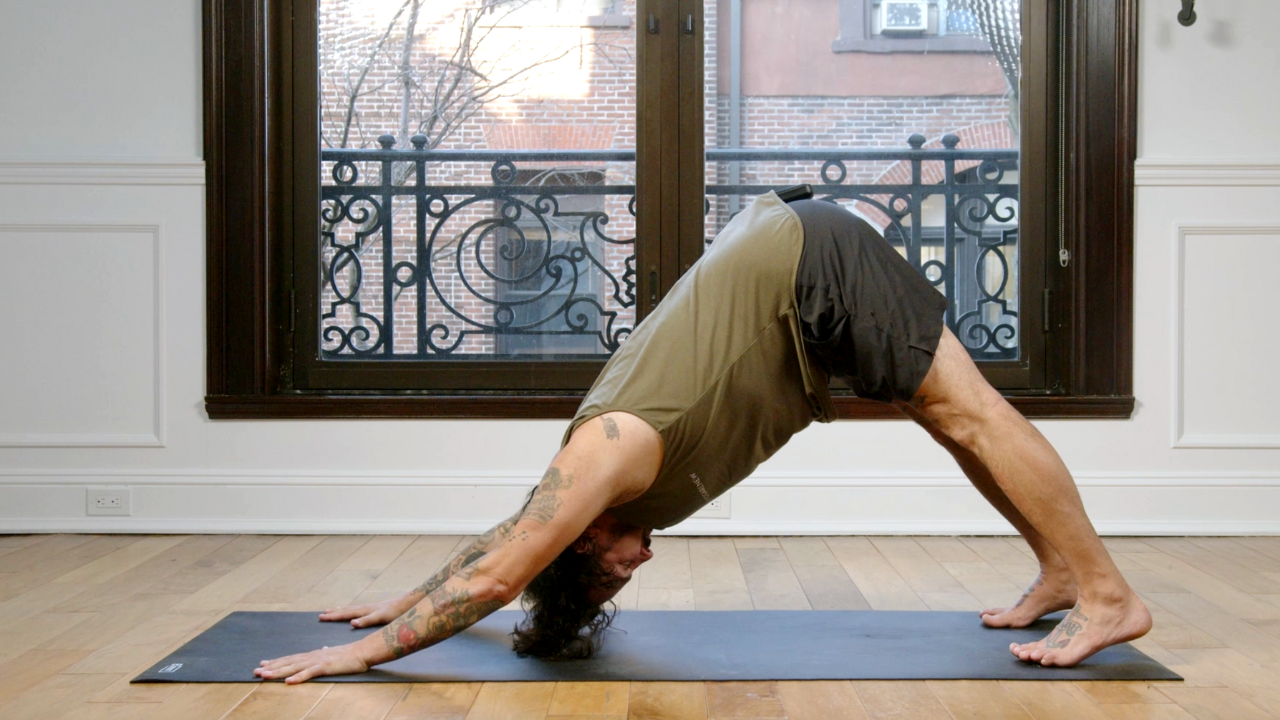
pixel 560 622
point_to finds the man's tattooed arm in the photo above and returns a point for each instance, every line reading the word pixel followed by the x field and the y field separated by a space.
pixel 546 499
pixel 482 546
pixel 611 431
pixel 446 612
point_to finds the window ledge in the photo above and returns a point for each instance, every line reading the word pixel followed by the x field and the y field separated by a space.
pixel 560 407
pixel 935 44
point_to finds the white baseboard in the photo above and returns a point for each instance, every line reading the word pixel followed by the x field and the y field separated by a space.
pixel 1208 172
pixel 44 501
pixel 102 172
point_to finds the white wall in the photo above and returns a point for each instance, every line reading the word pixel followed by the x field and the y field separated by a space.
pixel 101 252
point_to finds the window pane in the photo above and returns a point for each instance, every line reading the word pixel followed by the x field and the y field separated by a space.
pixel 477 178
pixel 915 130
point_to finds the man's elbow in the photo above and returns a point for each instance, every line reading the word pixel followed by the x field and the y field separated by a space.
pixel 493 588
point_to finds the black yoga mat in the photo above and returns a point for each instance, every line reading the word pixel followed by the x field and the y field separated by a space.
pixel 668 645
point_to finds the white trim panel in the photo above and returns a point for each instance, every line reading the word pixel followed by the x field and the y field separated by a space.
pixel 1181 438
pixel 1227 172
pixel 102 172
pixel 1148 504
pixel 156 437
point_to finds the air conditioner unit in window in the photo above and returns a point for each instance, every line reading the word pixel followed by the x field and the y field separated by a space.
pixel 904 16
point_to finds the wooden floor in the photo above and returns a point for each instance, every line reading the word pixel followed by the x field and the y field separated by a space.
pixel 81 614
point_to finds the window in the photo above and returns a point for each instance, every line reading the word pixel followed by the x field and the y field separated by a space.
pixel 275 262
pixel 911 26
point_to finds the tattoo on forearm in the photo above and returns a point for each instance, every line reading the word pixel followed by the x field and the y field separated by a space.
pixel 478 549
pixel 1071 624
pixel 546 501
pixel 610 429
pixel 452 611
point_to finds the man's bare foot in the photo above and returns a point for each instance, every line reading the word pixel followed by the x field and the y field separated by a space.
pixel 1088 628
pixel 1051 592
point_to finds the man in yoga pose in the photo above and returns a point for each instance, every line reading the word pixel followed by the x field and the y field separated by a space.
pixel 728 367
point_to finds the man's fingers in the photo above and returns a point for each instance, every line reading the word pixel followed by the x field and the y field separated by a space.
pixel 303 676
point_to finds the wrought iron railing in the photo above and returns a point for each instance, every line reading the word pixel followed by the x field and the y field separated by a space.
pixel 425 258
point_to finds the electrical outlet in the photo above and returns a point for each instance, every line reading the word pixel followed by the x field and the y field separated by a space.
pixel 109 501
pixel 717 509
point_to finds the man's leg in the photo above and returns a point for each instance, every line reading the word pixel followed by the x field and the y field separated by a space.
pixel 956 401
pixel 1055 588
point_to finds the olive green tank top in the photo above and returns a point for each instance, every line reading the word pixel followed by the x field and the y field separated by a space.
pixel 719 368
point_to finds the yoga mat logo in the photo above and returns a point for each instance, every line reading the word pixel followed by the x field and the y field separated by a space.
pixel 171 668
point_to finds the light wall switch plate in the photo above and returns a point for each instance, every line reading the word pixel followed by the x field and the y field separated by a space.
pixel 114 500
pixel 717 509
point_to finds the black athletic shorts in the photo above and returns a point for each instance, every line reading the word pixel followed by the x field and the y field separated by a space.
pixel 867 316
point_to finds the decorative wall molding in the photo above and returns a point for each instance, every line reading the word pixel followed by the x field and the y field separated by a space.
pixel 102 172
pixel 821 504
pixel 1182 439
pixel 156 437
pixel 1226 172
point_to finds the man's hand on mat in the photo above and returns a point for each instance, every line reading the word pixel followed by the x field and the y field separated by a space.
pixel 341 660
pixel 379 613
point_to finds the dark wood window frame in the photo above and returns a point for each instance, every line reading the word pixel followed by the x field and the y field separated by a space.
pixel 1089 314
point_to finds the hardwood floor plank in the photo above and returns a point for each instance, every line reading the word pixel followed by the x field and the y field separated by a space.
pixel 144 643
pixel 202 701
pixel 1215 704
pixel 424 556
pixel 15 542
pixel 1173 632
pixel 512 701
pixel 112 622
pixel 378 553
pixel 821 700
pixel 358 701
pixel 758 699
pixel 295 580
pixel 900 699
pixel 828 587
pixel 233 586
pixel 1222 625
pixel 141 578
pixel 112 564
pixel 589 699
pixel 1237 602
pixel 1129 545
pixel 755 543
pixel 977 700
pixel 339 588
pixel 718 580
pixel 983 582
pixel 948 549
pixel 107 711
pixel 49 568
pixel 669 569
pixel 1054 700
pixel 208 569
pixel 667 701
pixel 1211 563
pixel 277 701
pixel 951 601
pixel 1123 693
pixel 1268 546
pixel 1147 712
pixel 1239 552
pixel 771 581
pixel 875 578
pixel 436 701
pixel 808 551
pixel 1149 581
pixel 122 691
pixel 1258 683
pixel 1006 559
pixel 35 630
pixel 33 667
pixel 916 566
pixel 665 599
pixel 35 553
pixel 55 697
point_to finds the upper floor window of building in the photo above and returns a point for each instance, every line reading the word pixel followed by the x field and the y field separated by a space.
pixel 911 26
